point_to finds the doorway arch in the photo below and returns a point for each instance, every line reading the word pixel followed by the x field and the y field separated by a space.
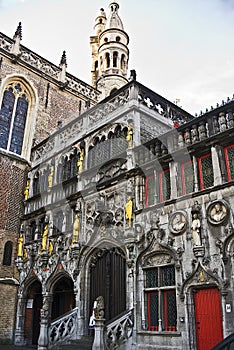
pixel 108 279
pixel 63 297
pixel 32 313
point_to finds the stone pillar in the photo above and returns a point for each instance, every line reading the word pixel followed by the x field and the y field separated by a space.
pixel 98 343
pixel 216 166
pixel 43 340
pixel 20 317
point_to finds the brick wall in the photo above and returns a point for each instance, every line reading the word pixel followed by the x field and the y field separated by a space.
pixel 8 298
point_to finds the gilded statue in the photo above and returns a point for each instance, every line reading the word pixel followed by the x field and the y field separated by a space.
pixel 51 177
pixel 80 162
pixel 25 255
pixel 129 136
pixel 129 210
pixel 44 238
pixel 26 190
pixel 76 229
pixel 20 246
pixel 51 247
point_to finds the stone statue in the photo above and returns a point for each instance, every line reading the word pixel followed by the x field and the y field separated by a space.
pixel 129 211
pixel 44 238
pixel 51 177
pixel 196 229
pixel 99 310
pixel 20 246
pixel 26 190
pixel 129 136
pixel 76 229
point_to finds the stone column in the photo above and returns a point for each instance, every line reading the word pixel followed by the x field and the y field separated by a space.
pixel 98 343
pixel 216 166
pixel 20 317
pixel 43 340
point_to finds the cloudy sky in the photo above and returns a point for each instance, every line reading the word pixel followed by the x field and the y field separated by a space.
pixel 179 48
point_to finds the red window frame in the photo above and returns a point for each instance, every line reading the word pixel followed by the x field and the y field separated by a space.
pixel 161 174
pixel 201 181
pixel 227 162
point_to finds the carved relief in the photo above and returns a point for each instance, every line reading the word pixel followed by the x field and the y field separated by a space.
pixel 178 223
pixel 217 212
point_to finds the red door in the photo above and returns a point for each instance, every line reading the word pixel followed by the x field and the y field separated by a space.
pixel 208 316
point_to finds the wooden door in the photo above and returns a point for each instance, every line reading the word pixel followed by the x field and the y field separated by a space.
pixel 108 279
pixel 208 317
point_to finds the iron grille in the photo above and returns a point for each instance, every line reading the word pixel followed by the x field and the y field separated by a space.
pixel 167 276
pixel 152 278
pixel 231 161
pixel 207 171
pixel 106 150
pixel 166 185
pixel 188 178
pixel 151 190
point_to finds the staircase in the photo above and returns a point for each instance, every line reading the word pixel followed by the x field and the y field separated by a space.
pixel 82 344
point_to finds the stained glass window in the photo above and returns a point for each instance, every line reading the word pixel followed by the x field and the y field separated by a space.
pixel 229 157
pixel 13 114
pixel 160 295
pixel 187 177
pixel 165 185
pixel 205 171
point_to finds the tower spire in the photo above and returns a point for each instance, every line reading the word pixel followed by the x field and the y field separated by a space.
pixel 17 38
pixel 109 52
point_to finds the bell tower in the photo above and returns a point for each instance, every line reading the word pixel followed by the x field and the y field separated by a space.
pixel 109 52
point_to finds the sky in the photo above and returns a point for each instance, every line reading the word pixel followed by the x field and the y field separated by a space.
pixel 181 49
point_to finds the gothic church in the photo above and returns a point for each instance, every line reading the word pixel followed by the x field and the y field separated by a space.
pixel 116 206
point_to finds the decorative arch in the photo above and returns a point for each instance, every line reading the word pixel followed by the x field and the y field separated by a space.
pixel 18 102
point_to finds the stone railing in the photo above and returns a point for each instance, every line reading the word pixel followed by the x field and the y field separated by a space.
pixel 51 70
pixel 64 328
pixel 119 330
pixel 215 123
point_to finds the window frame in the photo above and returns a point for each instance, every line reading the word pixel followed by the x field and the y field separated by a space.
pixel 229 177
pixel 201 178
pixel 184 187
pixel 152 176
pixel 161 291
pixel 161 177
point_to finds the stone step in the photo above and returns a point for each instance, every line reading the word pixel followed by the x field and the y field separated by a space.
pixel 81 344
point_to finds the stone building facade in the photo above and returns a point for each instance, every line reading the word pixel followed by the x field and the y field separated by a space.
pixel 128 213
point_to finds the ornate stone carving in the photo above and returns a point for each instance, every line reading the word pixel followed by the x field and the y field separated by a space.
pixel 178 223
pixel 217 212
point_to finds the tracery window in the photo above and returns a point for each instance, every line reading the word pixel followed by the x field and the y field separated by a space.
pixel 160 298
pixel 13 115
pixel 229 159
pixel 7 255
pixel 206 174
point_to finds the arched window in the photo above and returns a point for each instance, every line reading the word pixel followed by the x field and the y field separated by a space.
pixel 13 115
pixel 115 56
pixel 118 39
pixel 36 184
pixel 122 62
pixel 7 255
pixel 107 60
pixel 96 65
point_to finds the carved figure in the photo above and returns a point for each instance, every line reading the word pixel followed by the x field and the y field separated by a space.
pixel 44 238
pixel 25 255
pixel 196 227
pixel 178 222
pixel 26 190
pixel 51 177
pixel 129 211
pixel 20 246
pixel 129 136
pixel 80 162
pixel 218 212
pixel 51 247
pixel 99 310
pixel 76 229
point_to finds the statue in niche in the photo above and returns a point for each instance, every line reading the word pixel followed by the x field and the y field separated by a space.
pixel 25 254
pixel 76 229
pixel 26 190
pixel 129 136
pixel 51 177
pixel 51 247
pixel 20 246
pixel 196 224
pixel 44 238
pixel 129 211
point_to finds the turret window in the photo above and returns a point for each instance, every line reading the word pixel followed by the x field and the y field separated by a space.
pixel 115 57
pixel 7 255
pixel 13 114
pixel 107 60
pixel 117 38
